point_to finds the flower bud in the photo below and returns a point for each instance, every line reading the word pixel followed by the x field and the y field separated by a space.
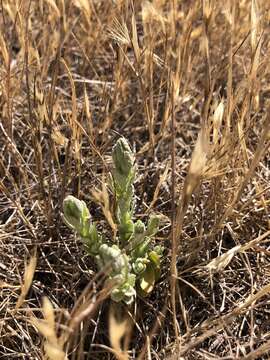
pixel 139 265
pixel 126 230
pixel 109 253
pixel 125 291
pixel 113 257
pixel 76 215
pixel 139 227
pixel 123 157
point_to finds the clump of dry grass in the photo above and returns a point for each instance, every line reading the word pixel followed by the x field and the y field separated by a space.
pixel 187 84
pixel 53 347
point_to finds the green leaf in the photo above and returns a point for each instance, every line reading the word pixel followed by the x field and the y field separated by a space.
pixel 126 230
pixel 147 280
pixel 93 241
pixel 159 250
pixel 154 258
pixel 153 225
pixel 140 249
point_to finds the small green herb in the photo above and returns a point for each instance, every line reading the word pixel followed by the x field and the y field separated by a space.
pixel 132 261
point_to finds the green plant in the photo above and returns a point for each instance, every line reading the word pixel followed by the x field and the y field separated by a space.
pixel 131 259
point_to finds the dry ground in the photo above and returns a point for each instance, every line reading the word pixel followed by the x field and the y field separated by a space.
pixel 76 75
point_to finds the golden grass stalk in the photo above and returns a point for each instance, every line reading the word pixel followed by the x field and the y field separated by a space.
pixel 53 346
pixel 29 272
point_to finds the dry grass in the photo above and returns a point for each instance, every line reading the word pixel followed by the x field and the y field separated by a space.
pixel 187 82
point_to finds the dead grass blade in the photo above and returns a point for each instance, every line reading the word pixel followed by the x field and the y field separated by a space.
pixel 119 330
pixel 29 272
pixel 102 198
pixel 53 346
pixel 193 178
pixel 53 6
pixel 161 181
pixel 221 262
pixel 84 5
pixel 261 150
pixel 257 353
pixel 197 166
pixel 119 32
pixel 211 327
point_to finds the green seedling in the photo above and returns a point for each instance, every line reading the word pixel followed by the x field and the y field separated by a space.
pixel 132 261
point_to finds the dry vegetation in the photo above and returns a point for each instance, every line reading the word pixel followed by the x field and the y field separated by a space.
pixel 187 83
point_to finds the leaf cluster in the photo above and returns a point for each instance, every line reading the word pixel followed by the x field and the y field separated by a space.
pixel 132 261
